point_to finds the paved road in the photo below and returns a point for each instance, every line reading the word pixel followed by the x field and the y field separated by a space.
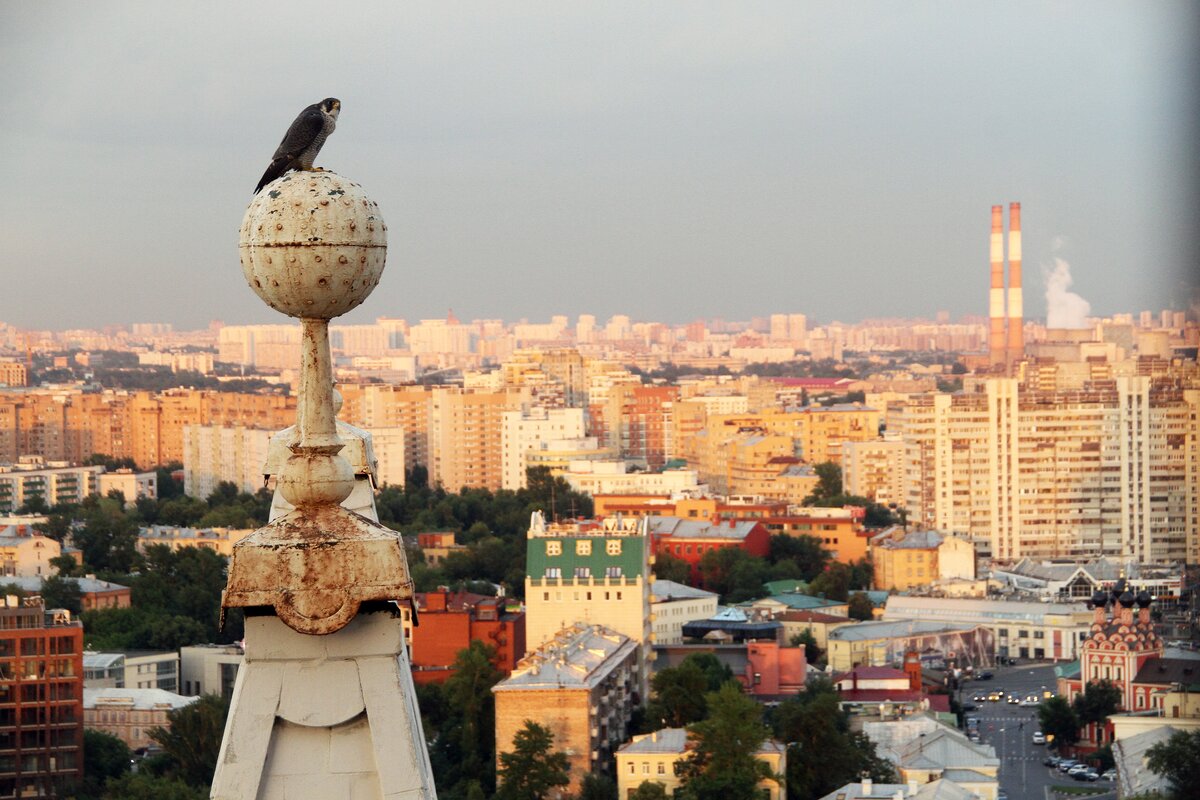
pixel 1009 728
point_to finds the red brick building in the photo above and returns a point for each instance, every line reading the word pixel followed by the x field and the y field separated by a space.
pixel 41 702
pixel 449 621
pixel 690 539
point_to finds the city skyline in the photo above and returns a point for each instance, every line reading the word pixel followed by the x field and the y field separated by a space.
pixel 531 160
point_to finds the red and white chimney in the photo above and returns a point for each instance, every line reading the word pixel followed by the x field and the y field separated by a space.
pixel 1016 321
pixel 997 338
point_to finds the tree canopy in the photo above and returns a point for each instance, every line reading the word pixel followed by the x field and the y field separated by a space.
pixel 723 765
pixel 1178 760
pixel 533 768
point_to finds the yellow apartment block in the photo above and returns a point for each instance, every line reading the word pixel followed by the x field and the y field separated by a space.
pixel 656 758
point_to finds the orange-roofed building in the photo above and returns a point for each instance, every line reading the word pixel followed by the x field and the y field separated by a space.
pixel 448 621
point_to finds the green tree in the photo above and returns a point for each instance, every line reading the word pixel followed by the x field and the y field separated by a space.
pixel 145 786
pixel 596 786
pixel 670 568
pixel 723 765
pixel 108 538
pixel 1178 760
pixel 104 756
pixel 812 651
pixel 1097 702
pixel 192 740
pixel 678 696
pixel 861 607
pixel 1059 720
pixel 734 574
pixel 67 566
pixel 823 754
pixel 533 768
pixel 829 483
pixel 833 583
pixel 466 744
pixel 59 592
pixel 806 552
pixel 649 790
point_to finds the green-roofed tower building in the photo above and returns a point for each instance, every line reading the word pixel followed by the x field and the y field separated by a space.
pixel 590 572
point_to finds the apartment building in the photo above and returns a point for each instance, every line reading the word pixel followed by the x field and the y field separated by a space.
pixel 26 552
pixel 637 422
pixel 41 702
pixel 130 714
pixel 464 436
pixel 532 429
pixel 1110 469
pixel 659 756
pixel 875 470
pixel 70 425
pixel 905 560
pixel 583 685
pixel 597 477
pixel 594 571
pixel 52 482
pixel 674 605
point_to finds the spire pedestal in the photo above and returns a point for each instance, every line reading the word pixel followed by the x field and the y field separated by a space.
pixel 324 704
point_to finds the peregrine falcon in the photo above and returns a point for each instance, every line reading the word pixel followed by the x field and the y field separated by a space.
pixel 303 140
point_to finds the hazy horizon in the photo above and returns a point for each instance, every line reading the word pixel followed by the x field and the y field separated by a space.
pixel 667 162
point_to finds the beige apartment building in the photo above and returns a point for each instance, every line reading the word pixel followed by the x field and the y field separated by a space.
pixel 594 572
pixel 874 470
pixel 148 427
pixel 656 758
pixel 1109 469
pixel 464 436
pixel 530 429
pixel 583 685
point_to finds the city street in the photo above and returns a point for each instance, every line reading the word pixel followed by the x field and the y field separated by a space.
pixel 1009 728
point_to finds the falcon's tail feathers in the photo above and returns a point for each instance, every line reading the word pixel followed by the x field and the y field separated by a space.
pixel 277 168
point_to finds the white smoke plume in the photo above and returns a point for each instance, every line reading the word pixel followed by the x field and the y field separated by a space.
pixel 1064 308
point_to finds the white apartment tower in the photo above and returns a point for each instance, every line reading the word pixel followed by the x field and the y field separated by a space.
pixel 1109 469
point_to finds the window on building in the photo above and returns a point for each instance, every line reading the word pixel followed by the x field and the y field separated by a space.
pixel 554 548
pixel 583 547
pixel 613 547
pixel 583 572
pixel 645 767
pixel 553 572
pixel 612 572
pixel 662 768
pixel 1023 634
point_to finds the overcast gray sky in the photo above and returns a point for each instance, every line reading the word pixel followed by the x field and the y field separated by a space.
pixel 668 161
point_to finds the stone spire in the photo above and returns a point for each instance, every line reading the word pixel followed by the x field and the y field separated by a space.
pixel 324 704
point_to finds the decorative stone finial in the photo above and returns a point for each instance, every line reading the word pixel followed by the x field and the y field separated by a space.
pixel 313 246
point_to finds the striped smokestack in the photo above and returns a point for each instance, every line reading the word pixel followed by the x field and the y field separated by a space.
pixel 1016 321
pixel 997 341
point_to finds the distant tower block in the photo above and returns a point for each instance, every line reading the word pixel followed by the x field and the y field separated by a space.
pixel 324 705
pixel 997 339
pixel 1016 321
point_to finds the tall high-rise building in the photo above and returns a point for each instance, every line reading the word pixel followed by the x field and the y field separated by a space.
pixel 1112 468
pixel 41 702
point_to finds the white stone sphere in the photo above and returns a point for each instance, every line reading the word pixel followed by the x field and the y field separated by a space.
pixel 313 244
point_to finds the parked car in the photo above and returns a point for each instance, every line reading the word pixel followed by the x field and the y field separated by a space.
pixel 1109 775
pixel 1051 761
pixel 1066 764
pixel 1039 737
pixel 1088 774
pixel 1077 769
